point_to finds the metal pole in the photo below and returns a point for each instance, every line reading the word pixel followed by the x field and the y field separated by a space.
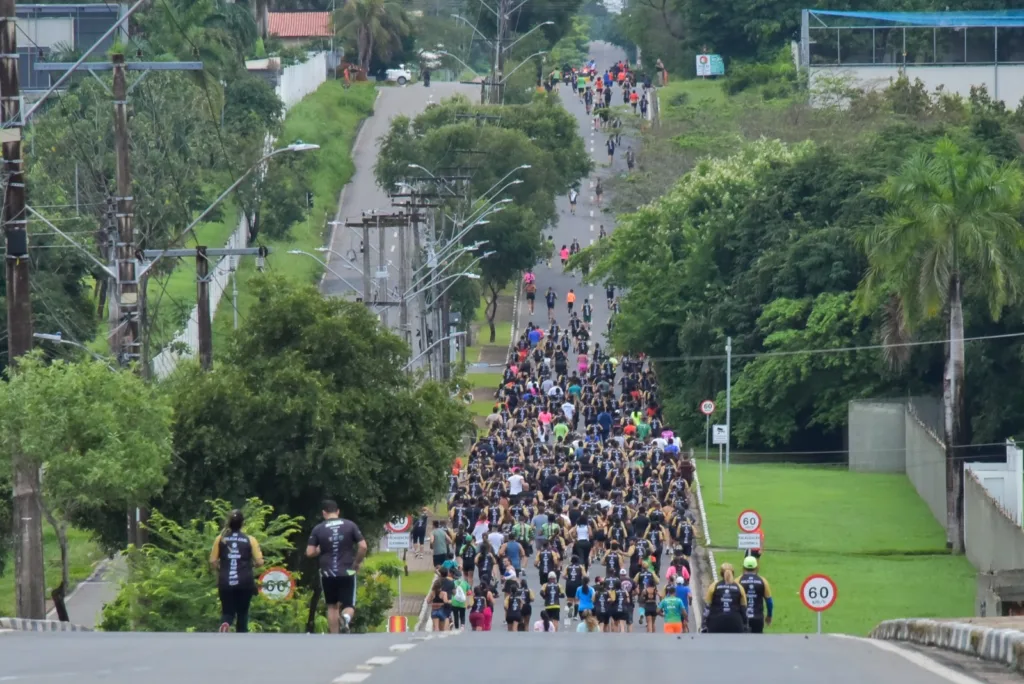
pixel 721 477
pixel 398 610
pixel 382 284
pixel 366 263
pixel 203 309
pixel 819 622
pixel 234 294
pixel 707 435
pixel 728 398
pixel 76 189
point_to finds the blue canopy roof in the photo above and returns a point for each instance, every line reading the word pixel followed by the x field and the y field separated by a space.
pixel 984 19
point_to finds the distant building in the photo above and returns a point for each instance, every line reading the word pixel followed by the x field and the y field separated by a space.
pixel 44 30
pixel 952 50
pixel 295 29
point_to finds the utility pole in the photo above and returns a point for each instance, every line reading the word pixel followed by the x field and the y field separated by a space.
pixel 404 272
pixel 125 337
pixel 204 311
pixel 382 269
pixel 30 581
pixel 204 319
pixel 366 262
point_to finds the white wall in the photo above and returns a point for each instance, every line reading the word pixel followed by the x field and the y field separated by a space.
pixel 1004 82
pixel 1004 482
pixel 165 362
pixel 299 80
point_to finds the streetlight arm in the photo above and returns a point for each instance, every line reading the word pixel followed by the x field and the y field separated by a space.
pixel 324 264
pixel 546 23
pixel 106 269
pixel 442 52
pixel 535 54
pixel 427 350
pixel 475 29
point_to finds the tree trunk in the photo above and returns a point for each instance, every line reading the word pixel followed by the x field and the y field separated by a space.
pixel 58 594
pixel 491 310
pixel 953 414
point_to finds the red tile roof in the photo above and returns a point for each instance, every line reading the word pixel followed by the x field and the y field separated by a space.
pixel 299 24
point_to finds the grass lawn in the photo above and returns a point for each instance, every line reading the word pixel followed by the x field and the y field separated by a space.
pixel 84 556
pixel 416 583
pixel 482 406
pixel 487 381
pixel 330 118
pixel 870 532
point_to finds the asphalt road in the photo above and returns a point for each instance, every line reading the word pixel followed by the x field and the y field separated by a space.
pixel 363 194
pixel 494 658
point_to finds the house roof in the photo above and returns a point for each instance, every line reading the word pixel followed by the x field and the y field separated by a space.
pixel 299 24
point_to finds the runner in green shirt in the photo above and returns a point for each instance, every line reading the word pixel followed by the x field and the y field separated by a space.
pixel 459 599
pixel 674 612
pixel 560 430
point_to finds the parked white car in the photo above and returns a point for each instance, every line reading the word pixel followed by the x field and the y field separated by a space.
pixel 401 75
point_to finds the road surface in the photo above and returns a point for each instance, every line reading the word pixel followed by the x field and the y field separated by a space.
pixel 363 194
pixel 492 658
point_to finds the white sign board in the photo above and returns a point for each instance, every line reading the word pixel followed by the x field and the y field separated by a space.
pixel 748 540
pixel 400 540
pixel 703 65
pixel 719 434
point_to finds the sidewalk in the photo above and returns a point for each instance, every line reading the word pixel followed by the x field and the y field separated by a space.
pixel 85 603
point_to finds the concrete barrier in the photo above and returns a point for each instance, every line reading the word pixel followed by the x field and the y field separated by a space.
pixel 22 625
pixel 988 643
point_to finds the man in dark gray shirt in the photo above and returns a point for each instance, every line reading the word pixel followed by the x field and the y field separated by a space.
pixel 341 548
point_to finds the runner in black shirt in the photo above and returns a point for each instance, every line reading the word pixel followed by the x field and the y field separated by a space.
pixel 341 547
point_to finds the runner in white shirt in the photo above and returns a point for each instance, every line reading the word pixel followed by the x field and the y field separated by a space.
pixel 515 484
pixel 569 410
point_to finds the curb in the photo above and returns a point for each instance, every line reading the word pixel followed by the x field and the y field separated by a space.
pixel 704 523
pixel 24 625
pixel 997 645
pixel 423 622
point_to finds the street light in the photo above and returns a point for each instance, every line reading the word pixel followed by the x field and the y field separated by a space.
pixel 509 75
pixel 464 274
pixel 443 52
pixel 297 146
pixel 427 350
pixel 324 264
pixel 342 257
pixel 440 180
pixel 475 29
pixel 452 284
pixel 543 23
pixel 58 337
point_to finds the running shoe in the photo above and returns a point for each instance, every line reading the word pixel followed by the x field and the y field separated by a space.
pixel 224 628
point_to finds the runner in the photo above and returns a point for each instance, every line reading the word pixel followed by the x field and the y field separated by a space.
pixel 340 547
pixel 598 190
pixel 233 558
pixel 551 298
pixel 570 299
pixel 573 196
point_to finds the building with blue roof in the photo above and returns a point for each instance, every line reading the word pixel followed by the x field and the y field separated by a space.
pixel 952 50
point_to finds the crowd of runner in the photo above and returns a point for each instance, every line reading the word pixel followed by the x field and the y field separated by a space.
pixel 578 477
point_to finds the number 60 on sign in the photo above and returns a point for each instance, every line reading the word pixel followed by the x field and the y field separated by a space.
pixel 818 592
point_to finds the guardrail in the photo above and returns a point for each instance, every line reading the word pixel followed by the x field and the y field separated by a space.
pixel 988 643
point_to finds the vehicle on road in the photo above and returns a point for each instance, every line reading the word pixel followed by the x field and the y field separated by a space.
pixel 400 75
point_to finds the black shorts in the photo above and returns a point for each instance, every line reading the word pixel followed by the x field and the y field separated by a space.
pixel 419 536
pixel 756 626
pixel 620 616
pixel 531 296
pixel 339 590
pixel 603 619
pixel 468 565
pixel 570 590
pixel 528 548
pixel 600 536
pixel 554 614
pixel 440 558
pixel 513 618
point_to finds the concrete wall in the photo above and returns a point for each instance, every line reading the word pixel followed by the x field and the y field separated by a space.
pixel 877 441
pixel 299 80
pixel 926 465
pixel 994 541
pixel 1004 82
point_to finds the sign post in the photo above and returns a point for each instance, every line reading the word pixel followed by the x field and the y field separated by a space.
pixel 707 407
pixel 720 436
pixel 399 537
pixel 818 592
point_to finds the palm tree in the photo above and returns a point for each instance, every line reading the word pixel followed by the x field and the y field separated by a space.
pixel 376 26
pixel 953 220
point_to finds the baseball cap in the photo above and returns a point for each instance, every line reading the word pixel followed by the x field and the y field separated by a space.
pixel 552 575
pixel 750 563
pixel 680 580
pixel 623 572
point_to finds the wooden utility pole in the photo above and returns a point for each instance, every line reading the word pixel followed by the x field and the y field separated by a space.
pixel 202 256
pixel 125 337
pixel 367 282
pixel 204 319
pixel 30 582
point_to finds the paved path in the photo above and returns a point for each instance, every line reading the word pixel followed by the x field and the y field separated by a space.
pixel 584 226
pixel 495 658
pixel 362 194
pixel 86 601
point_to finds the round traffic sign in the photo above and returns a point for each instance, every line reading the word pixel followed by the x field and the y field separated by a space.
pixel 402 523
pixel 818 592
pixel 277 584
pixel 707 407
pixel 749 521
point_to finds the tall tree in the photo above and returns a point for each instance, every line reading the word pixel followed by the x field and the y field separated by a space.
pixel 375 26
pixel 953 219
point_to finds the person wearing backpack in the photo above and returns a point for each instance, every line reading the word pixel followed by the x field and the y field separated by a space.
pixel 459 598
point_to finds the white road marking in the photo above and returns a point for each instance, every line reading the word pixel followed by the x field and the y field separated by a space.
pixel 922 661
pixel 591 213
pixel 591 227
pixel 351 678
pixel 401 648
pixel 591 240
pixel 381 660
pixel 392 248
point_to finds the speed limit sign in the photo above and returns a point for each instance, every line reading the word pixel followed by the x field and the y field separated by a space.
pixel 398 525
pixel 707 407
pixel 818 592
pixel 277 584
pixel 749 521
